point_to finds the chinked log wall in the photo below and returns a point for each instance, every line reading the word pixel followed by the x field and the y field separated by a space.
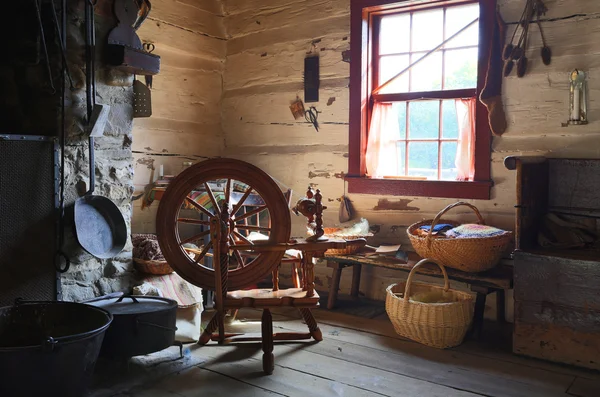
pixel 267 42
pixel 185 125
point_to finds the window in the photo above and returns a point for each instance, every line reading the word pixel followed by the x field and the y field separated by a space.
pixel 416 126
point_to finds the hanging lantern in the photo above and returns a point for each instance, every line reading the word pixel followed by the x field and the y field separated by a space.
pixel 578 98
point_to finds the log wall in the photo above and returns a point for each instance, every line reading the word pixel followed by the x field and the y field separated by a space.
pixel 267 42
pixel 186 96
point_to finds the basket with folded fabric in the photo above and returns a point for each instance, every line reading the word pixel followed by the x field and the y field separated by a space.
pixel 471 248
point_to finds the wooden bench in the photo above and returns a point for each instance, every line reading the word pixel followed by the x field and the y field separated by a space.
pixel 498 279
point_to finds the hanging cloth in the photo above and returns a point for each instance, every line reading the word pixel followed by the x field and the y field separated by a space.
pixel 465 152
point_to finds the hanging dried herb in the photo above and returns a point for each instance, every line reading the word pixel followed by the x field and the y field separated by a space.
pixel 507 53
pixel 546 55
pixel 515 50
pixel 521 66
pixel 508 67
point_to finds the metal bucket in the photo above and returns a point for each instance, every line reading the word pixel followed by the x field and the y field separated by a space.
pixel 49 348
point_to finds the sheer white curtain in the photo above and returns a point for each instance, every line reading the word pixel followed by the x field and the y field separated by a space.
pixel 382 149
pixel 465 153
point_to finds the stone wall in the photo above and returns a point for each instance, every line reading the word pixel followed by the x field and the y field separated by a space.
pixel 89 276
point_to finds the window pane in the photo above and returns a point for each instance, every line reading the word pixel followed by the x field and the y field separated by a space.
pixel 389 66
pixel 456 19
pixel 401 158
pixel 426 75
pixel 461 69
pixel 424 120
pixel 394 34
pixel 423 159
pixel 449 120
pixel 449 171
pixel 427 30
pixel 400 109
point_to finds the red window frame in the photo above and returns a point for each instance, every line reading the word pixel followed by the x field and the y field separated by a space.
pixel 362 14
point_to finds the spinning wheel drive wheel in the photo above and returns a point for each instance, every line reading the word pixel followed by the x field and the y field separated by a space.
pixel 258 211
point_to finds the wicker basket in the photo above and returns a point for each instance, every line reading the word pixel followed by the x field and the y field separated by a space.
pixel 159 268
pixel 330 232
pixel 472 255
pixel 440 325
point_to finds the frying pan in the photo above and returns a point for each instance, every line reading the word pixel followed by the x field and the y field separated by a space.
pixel 99 224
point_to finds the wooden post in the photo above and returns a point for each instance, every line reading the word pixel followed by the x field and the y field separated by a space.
pixel 267 342
pixel 310 274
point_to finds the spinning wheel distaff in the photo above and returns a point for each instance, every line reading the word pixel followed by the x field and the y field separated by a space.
pixel 224 225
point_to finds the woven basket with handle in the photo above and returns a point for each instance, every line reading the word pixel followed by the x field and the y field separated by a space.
pixel 159 268
pixel 331 232
pixel 472 255
pixel 440 325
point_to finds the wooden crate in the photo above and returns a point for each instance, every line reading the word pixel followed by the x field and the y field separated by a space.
pixel 557 292
pixel 557 309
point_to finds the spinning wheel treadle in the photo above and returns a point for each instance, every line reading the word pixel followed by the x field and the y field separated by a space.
pixel 198 197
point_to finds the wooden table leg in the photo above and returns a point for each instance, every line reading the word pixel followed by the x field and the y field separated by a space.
pixel 335 283
pixel 482 293
pixel 356 270
pixel 500 306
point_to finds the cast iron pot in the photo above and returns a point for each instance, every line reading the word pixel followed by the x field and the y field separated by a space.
pixel 49 348
pixel 141 325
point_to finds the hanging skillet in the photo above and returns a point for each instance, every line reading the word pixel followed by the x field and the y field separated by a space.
pixel 99 224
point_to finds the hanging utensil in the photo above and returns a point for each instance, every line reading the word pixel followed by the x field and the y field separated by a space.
pixel 142 99
pixel 149 47
pixel 99 224
pixel 144 10
pixel 44 47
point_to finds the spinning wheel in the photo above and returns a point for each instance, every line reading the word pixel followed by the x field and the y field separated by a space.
pixel 237 194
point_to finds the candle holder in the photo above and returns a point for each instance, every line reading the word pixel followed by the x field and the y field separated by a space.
pixel 578 98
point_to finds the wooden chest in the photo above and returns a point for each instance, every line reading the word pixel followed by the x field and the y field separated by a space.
pixel 557 291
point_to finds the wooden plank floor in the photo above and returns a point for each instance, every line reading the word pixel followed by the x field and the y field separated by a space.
pixel 364 357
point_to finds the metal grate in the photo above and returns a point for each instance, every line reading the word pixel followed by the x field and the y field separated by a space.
pixel 27 218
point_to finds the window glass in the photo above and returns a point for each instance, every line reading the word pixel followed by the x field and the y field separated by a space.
pixel 460 69
pixel 424 120
pixel 423 159
pixel 427 74
pixel 427 29
pixel 394 34
pixel 449 172
pixel 456 19
pixel 391 65
pixel 449 120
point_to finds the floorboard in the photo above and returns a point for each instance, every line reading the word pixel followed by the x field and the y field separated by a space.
pixel 362 357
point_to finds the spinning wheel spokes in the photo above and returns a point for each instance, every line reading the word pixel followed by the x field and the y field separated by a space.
pixel 252 227
pixel 250 213
pixel 242 201
pixel 193 221
pixel 204 251
pixel 213 200
pixel 241 237
pixel 195 237
pixel 199 207
pixel 240 260
pixel 205 192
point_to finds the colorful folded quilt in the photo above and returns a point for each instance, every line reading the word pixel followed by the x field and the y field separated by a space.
pixel 437 228
pixel 474 231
